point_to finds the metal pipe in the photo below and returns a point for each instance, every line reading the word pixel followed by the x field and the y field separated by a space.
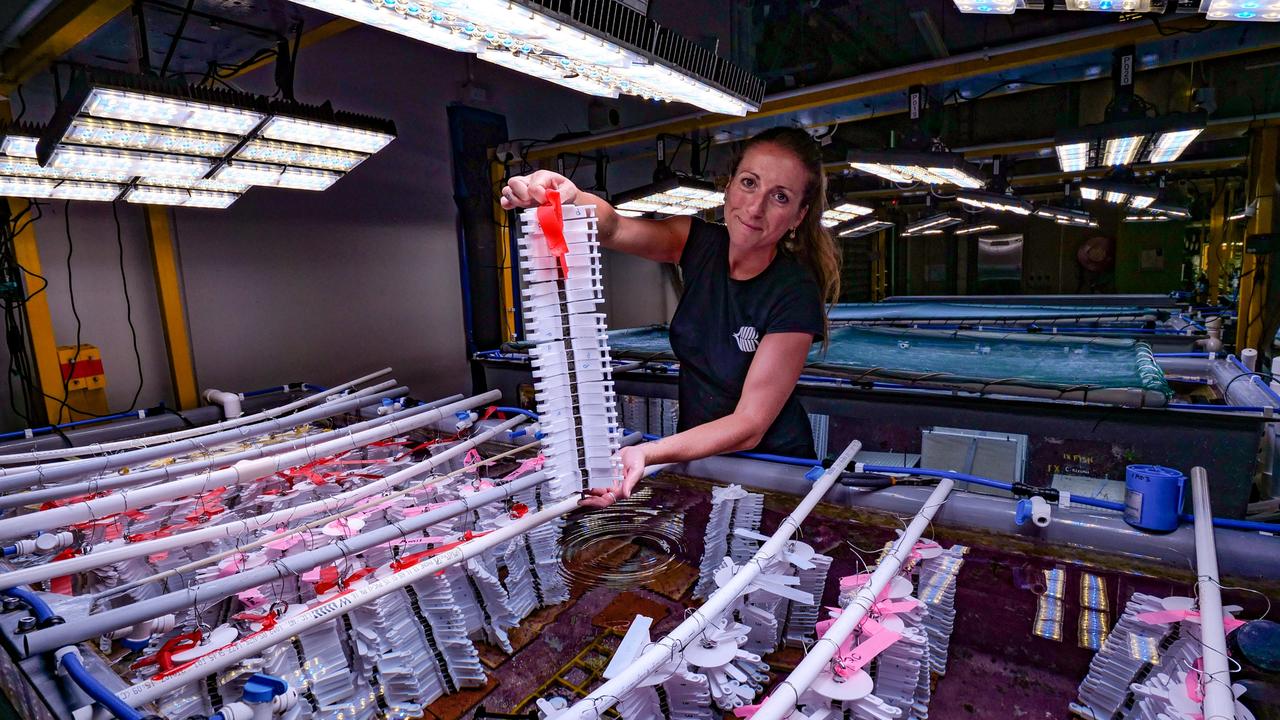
pixel 245 527
pixel 173 472
pixel 24 477
pixel 37 456
pixel 326 611
pixel 242 472
pixel 1219 700
pixel 84 628
pixel 777 705
pixel 606 695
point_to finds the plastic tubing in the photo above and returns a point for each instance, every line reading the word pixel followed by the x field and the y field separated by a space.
pixel 673 645
pixel 517 411
pixel 1219 700
pixel 242 528
pixel 242 472
pixel 39 608
pixel 173 472
pixel 71 663
pixel 777 705
pixel 102 623
pixel 37 456
pixel 24 477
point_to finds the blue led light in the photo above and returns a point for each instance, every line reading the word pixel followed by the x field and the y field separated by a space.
pixel 1246 15
pixel 984 8
pixel 1105 5
pixel 1250 5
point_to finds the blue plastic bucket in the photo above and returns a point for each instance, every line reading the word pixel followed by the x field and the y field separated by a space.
pixel 1153 497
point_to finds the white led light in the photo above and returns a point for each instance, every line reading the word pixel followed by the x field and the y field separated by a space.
pixel 1073 157
pixel 996 202
pixel 146 195
pixel 136 136
pixel 68 158
pixel 1141 201
pixel 1117 198
pixel 217 186
pixel 158 110
pixel 1110 5
pixel 951 176
pixel 1089 193
pixel 990 7
pixel 249 173
pixel 865 228
pixel 26 187
pixel 884 171
pixel 1146 218
pixel 559 71
pixel 1064 216
pixel 284 153
pixel 685 199
pixel 411 19
pixel 50 189
pixel 1121 150
pixel 934 222
pixel 19 146
pixel 842 213
pixel 1242 10
pixel 307 179
pixel 1170 146
pixel 311 132
pixel 31 168
pixel 931 175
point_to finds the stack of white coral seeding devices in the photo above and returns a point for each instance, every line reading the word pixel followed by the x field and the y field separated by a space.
pixel 573 383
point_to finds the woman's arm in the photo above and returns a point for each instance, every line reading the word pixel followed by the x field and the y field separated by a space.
pixel 770 380
pixel 657 240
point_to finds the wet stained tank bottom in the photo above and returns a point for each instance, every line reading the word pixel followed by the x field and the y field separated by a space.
pixel 642 557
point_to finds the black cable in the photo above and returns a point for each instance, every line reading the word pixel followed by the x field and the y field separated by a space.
pixel 71 292
pixel 23 100
pixel 177 37
pixel 1155 18
pixel 128 307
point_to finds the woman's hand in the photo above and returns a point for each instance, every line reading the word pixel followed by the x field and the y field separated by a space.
pixel 525 191
pixel 633 464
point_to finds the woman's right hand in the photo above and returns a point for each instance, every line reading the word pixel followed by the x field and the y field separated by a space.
pixel 525 191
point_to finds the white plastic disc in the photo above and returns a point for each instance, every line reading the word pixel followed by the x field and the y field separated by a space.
pixel 855 687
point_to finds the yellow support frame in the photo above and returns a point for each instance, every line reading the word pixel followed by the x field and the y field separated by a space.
pixel 1213 246
pixel 64 27
pixel 1264 150
pixel 177 339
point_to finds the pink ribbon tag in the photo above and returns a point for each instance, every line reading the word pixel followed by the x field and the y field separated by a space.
pixel 526 467
pixel 1194 692
pixel 472 457
pixel 253 598
pixel 850 582
pixel 848 662
pixel 284 543
pixel 1164 617
pixel 894 608
pixel 745 711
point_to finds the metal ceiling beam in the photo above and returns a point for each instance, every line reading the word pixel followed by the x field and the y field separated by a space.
pixel 309 38
pixel 932 72
pixel 62 28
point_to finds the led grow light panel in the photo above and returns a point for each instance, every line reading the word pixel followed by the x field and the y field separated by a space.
pixel 990 7
pixel 146 195
pixel 76 158
pixel 1121 143
pixel 842 213
pixel 559 71
pixel 1109 5
pixel 117 104
pixel 250 173
pixel 50 189
pixel 865 227
pixel 927 226
pixel 995 201
pixel 19 146
pixel 286 153
pixel 1242 10
pixel 971 229
pixel 328 135
pixel 139 136
pixel 910 167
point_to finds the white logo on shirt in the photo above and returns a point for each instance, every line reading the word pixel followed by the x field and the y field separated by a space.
pixel 747 338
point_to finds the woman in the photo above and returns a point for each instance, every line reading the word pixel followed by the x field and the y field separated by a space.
pixel 752 305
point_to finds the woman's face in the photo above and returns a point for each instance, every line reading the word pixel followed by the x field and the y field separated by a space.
pixel 764 200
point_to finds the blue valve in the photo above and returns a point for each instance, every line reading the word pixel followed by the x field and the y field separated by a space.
pixel 262 688
pixel 1023 512
pixel 814 473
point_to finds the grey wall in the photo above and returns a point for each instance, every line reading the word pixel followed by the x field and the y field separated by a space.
pixel 320 287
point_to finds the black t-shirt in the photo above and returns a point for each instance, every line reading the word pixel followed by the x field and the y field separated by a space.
pixel 720 322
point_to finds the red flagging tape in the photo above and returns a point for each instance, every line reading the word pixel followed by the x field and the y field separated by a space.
pixel 551 218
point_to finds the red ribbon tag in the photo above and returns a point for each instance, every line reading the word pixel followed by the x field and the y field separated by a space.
pixel 551 219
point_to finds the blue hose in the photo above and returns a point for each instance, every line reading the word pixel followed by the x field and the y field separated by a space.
pixel 10 550
pixel 517 411
pixel 39 607
pixel 96 690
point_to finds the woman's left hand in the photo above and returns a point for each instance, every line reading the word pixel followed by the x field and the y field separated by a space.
pixel 633 464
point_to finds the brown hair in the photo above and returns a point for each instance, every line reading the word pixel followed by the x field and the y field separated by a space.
pixel 812 243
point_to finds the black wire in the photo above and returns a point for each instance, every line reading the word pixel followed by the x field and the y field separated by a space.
pixel 177 37
pixel 23 100
pixel 1155 18
pixel 71 292
pixel 128 307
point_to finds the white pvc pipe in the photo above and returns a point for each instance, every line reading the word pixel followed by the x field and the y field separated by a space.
pixel 65 487
pixel 673 645
pixel 326 611
pixel 228 401
pixel 247 526
pixel 782 701
pixel 36 456
pixel 1219 700
pixel 239 473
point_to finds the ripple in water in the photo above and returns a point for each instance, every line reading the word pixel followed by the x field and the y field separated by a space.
pixel 624 546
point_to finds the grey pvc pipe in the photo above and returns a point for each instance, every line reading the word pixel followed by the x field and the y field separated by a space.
pixel 244 471
pixel 95 625
pixel 1243 555
pixel 173 472
pixel 63 471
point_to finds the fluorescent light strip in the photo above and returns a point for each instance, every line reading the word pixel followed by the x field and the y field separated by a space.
pixel 140 107
pixel 19 146
pixel 1121 150
pixel 284 153
pixel 69 158
pixel 976 229
pixel 311 132
pixel 1073 157
pixel 1242 10
pixel 1170 146
pixel 137 136
pixel 929 223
